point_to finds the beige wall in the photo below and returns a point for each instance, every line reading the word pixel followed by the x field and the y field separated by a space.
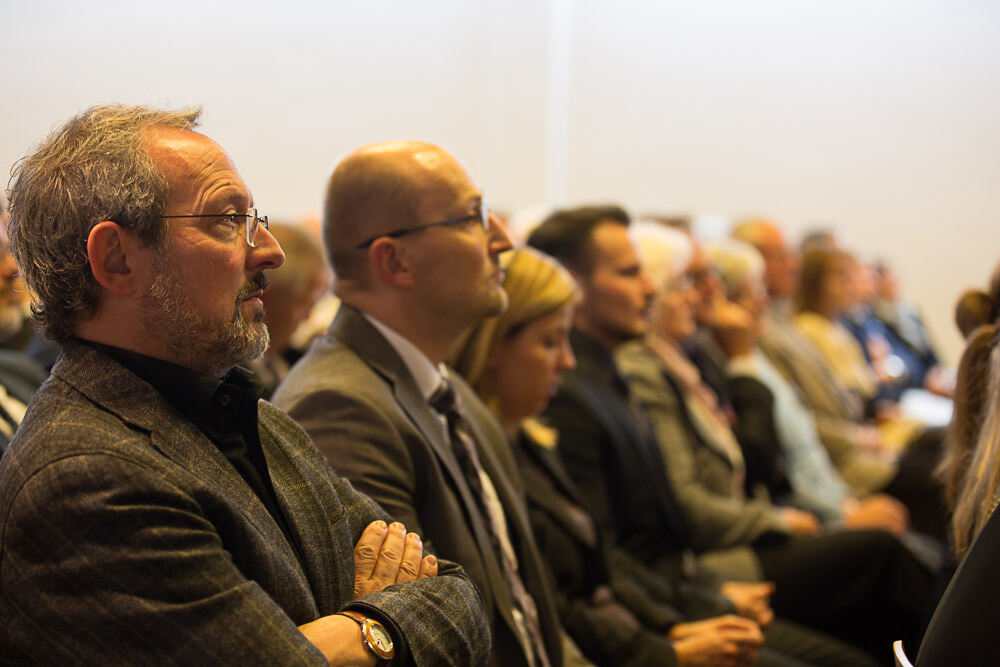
pixel 878 117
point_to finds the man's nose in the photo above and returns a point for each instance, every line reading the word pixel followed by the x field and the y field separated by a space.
pixel 267 254
pixel 499 238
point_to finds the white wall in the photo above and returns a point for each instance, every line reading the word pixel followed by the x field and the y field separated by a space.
pixel 876 116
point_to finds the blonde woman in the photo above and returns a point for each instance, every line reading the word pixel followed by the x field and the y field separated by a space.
pixel 616 610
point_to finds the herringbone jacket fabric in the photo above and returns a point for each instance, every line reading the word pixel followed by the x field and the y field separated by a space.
pixel 126 537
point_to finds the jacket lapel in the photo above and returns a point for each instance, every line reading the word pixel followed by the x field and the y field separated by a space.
pixel 297 473
pixel 110 385
pixel 350 328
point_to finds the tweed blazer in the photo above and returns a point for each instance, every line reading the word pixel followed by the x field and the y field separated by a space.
pixel 126 537
pixel 358 401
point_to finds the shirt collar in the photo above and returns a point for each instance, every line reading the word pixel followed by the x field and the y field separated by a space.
pixel 189 391
pixel 427 376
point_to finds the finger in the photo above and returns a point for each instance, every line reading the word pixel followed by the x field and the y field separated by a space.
pixel 428 567
pixel 409 565
pixel 389 557
pixel 367 549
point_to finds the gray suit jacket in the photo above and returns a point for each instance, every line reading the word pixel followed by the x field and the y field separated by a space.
pixel 361 406
pixel 126 537
pixel 701 473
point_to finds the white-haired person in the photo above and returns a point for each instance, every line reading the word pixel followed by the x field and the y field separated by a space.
pixel 617 617
pixel 774 419
pixel 862 586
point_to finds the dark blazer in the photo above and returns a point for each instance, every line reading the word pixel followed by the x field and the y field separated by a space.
pixel 128 538
pixel 354 395
pixel 616 465
pixel 964 627
pixel 20 376
pixel 580 564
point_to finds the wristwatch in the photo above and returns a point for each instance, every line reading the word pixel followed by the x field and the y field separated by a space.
pixel 374 635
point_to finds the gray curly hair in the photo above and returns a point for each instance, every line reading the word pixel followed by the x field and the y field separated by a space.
pixel 93 168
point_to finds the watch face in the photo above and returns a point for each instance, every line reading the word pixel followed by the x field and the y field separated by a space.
pixel 379 640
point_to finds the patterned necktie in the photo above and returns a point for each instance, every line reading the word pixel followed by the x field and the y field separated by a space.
pixel 445 402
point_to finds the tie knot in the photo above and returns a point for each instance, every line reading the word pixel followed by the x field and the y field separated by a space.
pixel 443 399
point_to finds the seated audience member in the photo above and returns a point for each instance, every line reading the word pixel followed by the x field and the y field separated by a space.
pixel 895 365
pixel 153 509
pixel 415 250
pixel 515 362
pixel 16 326
pixel 976 307
pixel 616 609
pixel 908 333
pixel 705 465
pixel 855 445
pixel 289 299
pixel 20 375
pixel 609 448
pixel 964 626
pixel 852 442
pixel 977 314
pixel 824 292
pixel 771 414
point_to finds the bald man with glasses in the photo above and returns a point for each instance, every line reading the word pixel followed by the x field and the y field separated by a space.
pixel 415 253
pixel 152 508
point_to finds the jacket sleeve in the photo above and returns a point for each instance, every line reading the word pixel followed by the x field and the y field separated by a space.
pixel 441 619
pixel 69 589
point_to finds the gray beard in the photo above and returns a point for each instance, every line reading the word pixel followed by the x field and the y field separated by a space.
pixel 211 347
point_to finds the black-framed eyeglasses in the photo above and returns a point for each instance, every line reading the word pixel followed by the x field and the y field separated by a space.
pixel 483 215
pixel 251 219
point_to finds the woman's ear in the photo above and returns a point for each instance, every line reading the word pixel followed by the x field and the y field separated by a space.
pixel 108 250
pixel 390 262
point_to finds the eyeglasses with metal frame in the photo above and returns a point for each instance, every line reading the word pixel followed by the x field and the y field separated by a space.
pixel 252 220
pixel 483 215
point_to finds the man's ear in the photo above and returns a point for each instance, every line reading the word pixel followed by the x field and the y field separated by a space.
pixel 390 262
pixel 109 248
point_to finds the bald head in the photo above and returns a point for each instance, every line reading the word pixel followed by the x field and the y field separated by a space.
pixel 381 188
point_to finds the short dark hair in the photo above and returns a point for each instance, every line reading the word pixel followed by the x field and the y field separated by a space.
pixel 566 234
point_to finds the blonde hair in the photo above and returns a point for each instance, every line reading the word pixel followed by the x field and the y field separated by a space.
pixel 536 285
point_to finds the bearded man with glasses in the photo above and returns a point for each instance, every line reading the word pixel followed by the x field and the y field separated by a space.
pixel 415 252
pixel 152 508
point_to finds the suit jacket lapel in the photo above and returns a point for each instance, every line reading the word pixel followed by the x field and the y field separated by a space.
pixel 309 518
pixel 118 390
pixel 350 328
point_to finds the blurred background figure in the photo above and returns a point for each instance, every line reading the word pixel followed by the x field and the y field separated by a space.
pixel 902 319
pixel 972 495
pixel 963 628
pixel 16 326
pixel 20 376
pixel 295 287
pixel 618 611
pixel 775 428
